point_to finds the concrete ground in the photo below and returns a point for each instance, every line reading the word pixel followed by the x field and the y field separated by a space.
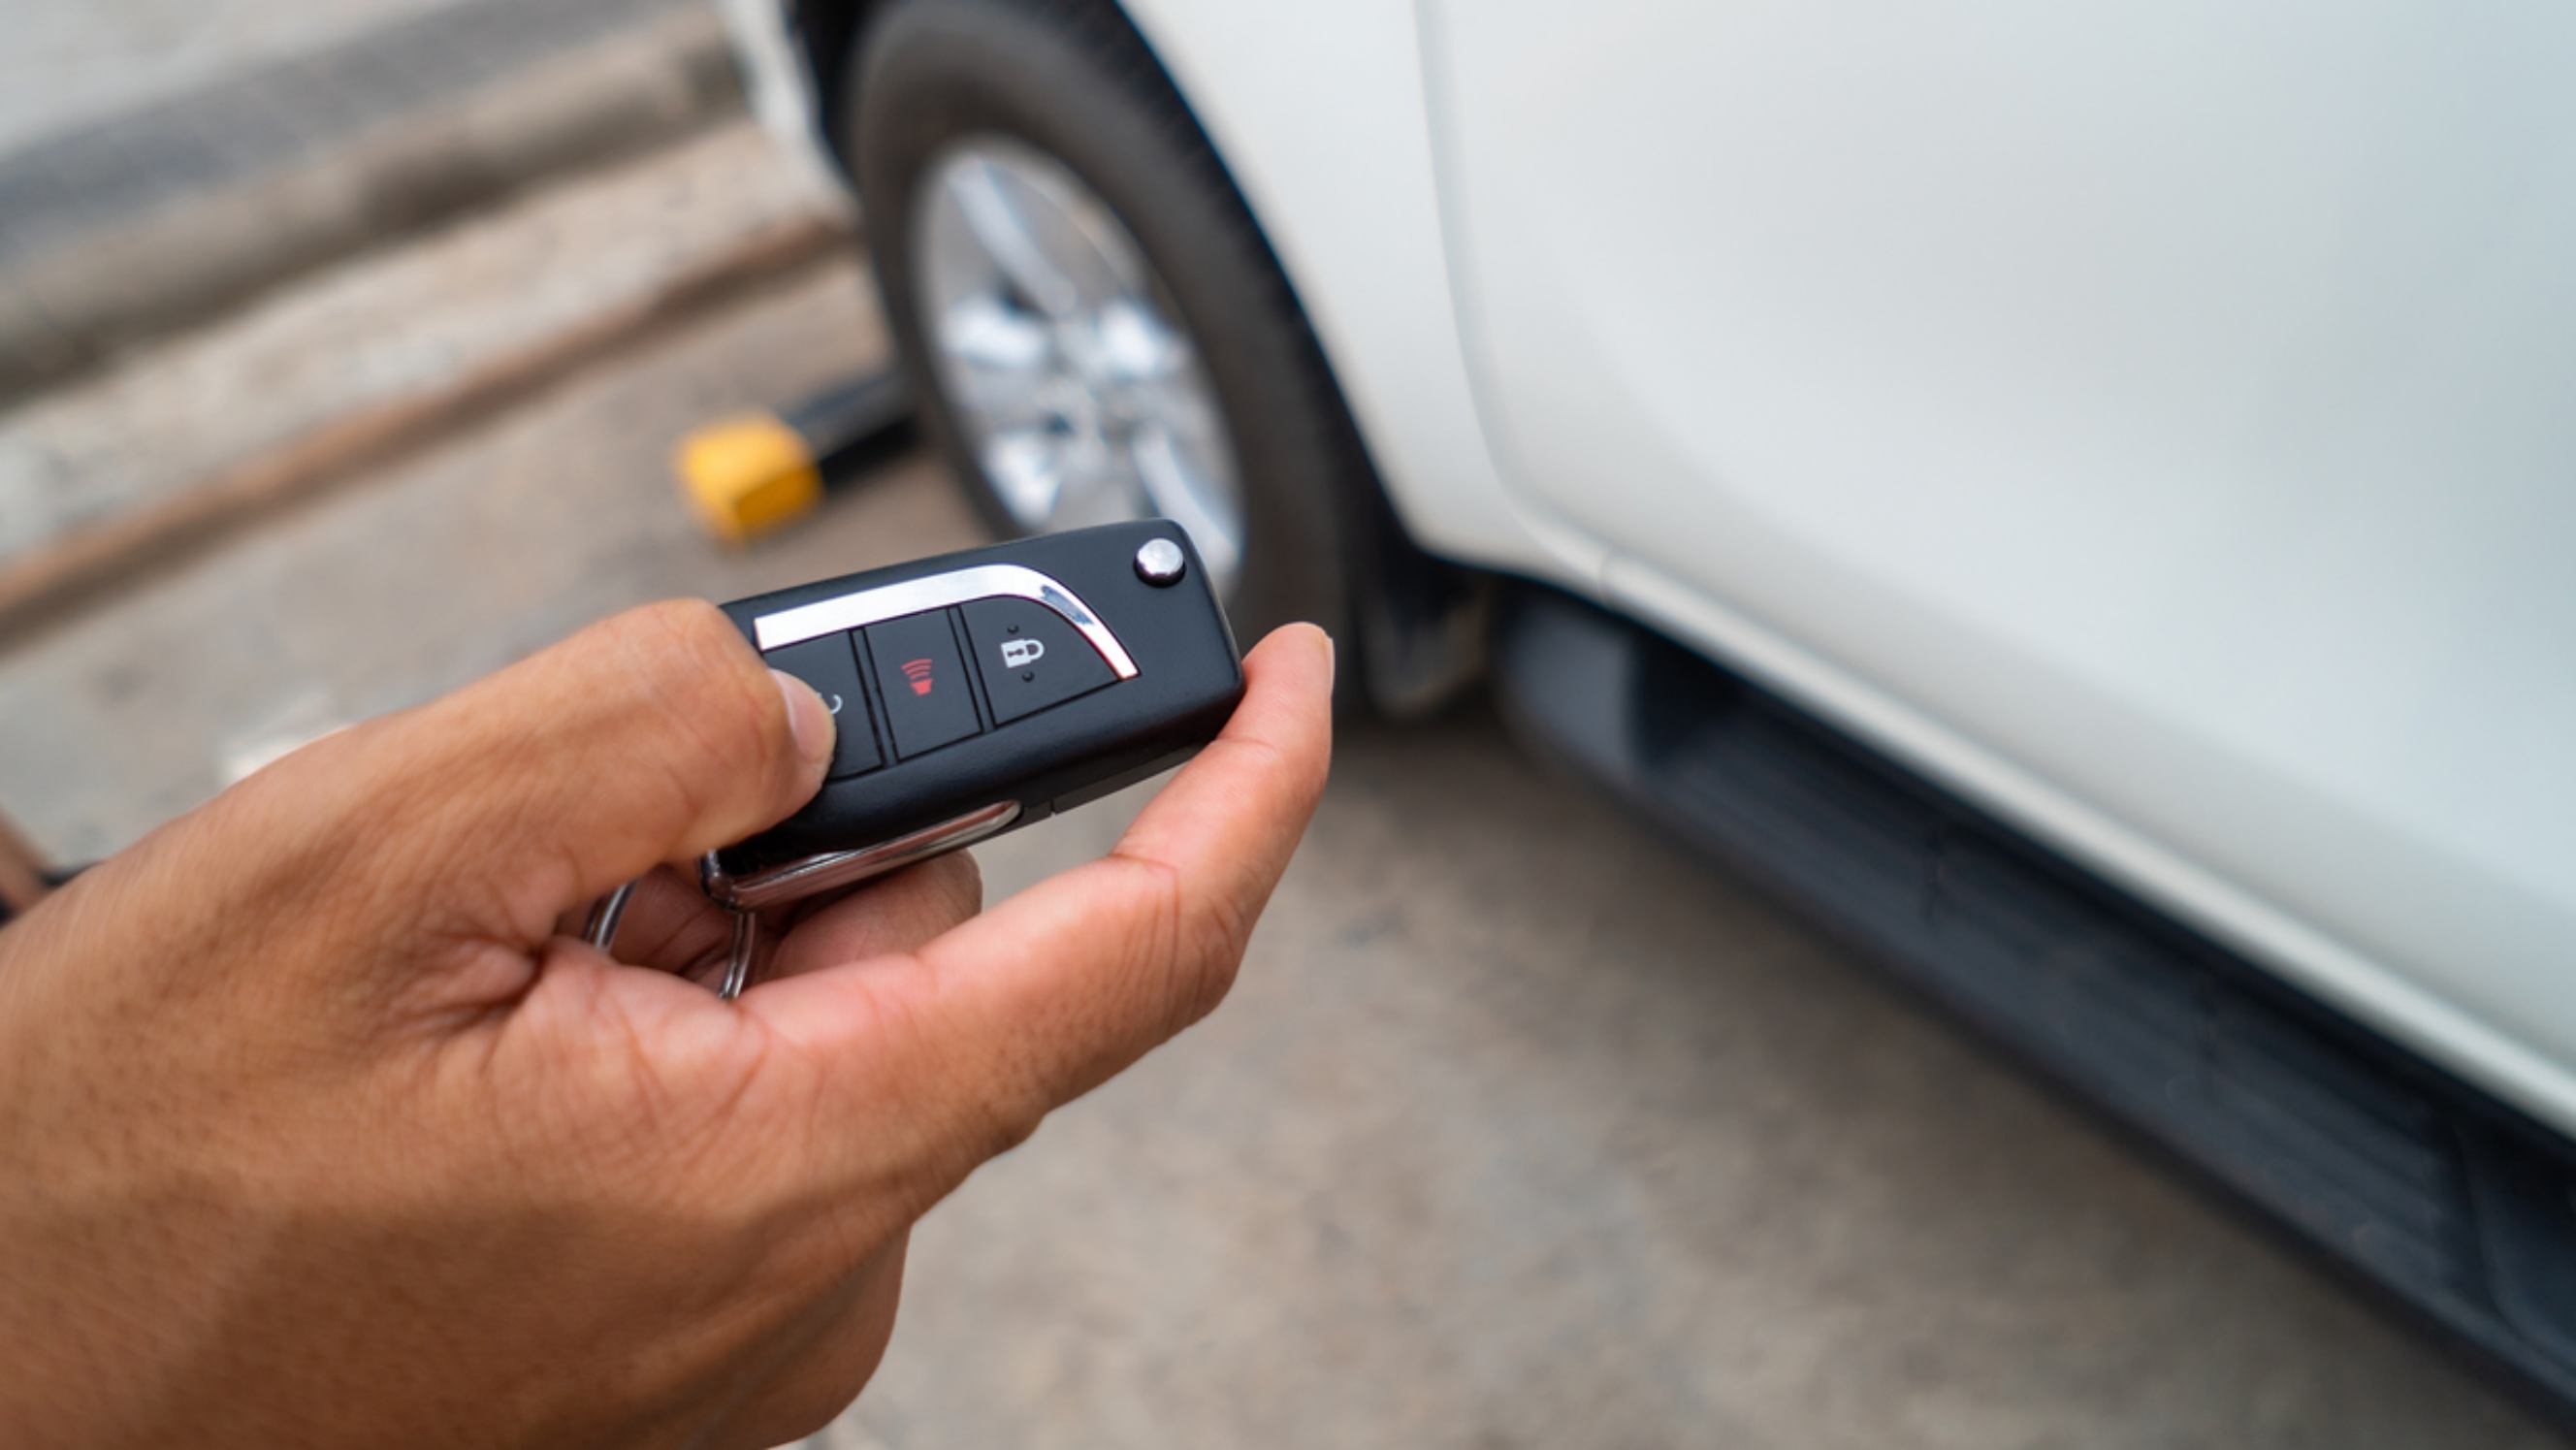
pixel 68 64
pixel 1519 1130
pixel 74 61
pixel 159 165
pixel 390 330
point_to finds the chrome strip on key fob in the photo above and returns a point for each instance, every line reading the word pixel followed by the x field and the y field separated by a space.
pixel 981 691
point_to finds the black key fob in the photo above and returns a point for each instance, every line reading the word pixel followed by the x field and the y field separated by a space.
pixel 981 691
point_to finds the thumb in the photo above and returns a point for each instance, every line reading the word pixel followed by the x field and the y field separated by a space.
pixel 652 736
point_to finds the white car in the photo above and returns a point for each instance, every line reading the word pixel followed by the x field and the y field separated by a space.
pixel 2079 497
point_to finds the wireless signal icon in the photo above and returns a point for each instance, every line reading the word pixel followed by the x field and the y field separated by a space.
pixel 918 671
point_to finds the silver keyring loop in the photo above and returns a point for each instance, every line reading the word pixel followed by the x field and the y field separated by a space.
pixel 599 929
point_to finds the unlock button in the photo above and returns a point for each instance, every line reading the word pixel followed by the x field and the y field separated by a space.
pixel 832 668
pixel 1030 657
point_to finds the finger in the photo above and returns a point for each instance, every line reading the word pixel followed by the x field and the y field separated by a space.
pixel 888 916
pixel 984 1029
pixel 651 737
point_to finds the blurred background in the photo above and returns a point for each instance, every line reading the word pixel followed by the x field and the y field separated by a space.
pixel 345 352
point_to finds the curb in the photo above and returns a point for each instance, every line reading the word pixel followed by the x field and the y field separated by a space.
pixel 63 312
pixel 52 582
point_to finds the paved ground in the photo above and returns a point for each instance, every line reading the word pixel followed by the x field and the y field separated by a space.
pixel 74 61
pixel 248 68
pixel 1518 1131
pixel 387 329
pixel 110 112
pixel 159 165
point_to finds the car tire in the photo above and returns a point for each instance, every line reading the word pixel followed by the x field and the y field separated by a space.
pixel 1076 84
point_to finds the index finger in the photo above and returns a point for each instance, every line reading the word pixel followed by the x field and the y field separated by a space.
pixel 1045 996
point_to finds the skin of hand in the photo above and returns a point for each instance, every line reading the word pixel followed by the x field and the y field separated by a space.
pixel 318 1128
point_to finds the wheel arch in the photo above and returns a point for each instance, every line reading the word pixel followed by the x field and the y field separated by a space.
pixel 1420 603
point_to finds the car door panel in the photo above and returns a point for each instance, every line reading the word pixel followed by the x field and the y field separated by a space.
pixel 2170 400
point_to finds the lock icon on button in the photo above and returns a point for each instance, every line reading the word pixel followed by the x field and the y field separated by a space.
pixel 1019 652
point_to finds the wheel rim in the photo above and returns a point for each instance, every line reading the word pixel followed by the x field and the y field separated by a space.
pixel 1064 363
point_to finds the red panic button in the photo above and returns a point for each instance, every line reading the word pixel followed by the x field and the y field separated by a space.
pixel 922 679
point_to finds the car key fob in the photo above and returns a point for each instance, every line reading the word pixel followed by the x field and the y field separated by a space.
pixel 978 692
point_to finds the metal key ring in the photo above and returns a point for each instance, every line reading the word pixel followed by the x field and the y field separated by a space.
pixel 599 929
pixel 784 886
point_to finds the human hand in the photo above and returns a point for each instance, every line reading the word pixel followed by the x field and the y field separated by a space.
pixel 319 1129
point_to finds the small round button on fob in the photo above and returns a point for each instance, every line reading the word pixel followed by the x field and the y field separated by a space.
pixel 1030 656
pixel 1161 562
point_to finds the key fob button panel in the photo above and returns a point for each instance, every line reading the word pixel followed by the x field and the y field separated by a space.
pixel 831 666
pixel 928 700
pixel 1043 673
pixel 1029 656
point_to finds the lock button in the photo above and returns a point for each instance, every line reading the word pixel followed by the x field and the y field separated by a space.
pixel 1030 656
